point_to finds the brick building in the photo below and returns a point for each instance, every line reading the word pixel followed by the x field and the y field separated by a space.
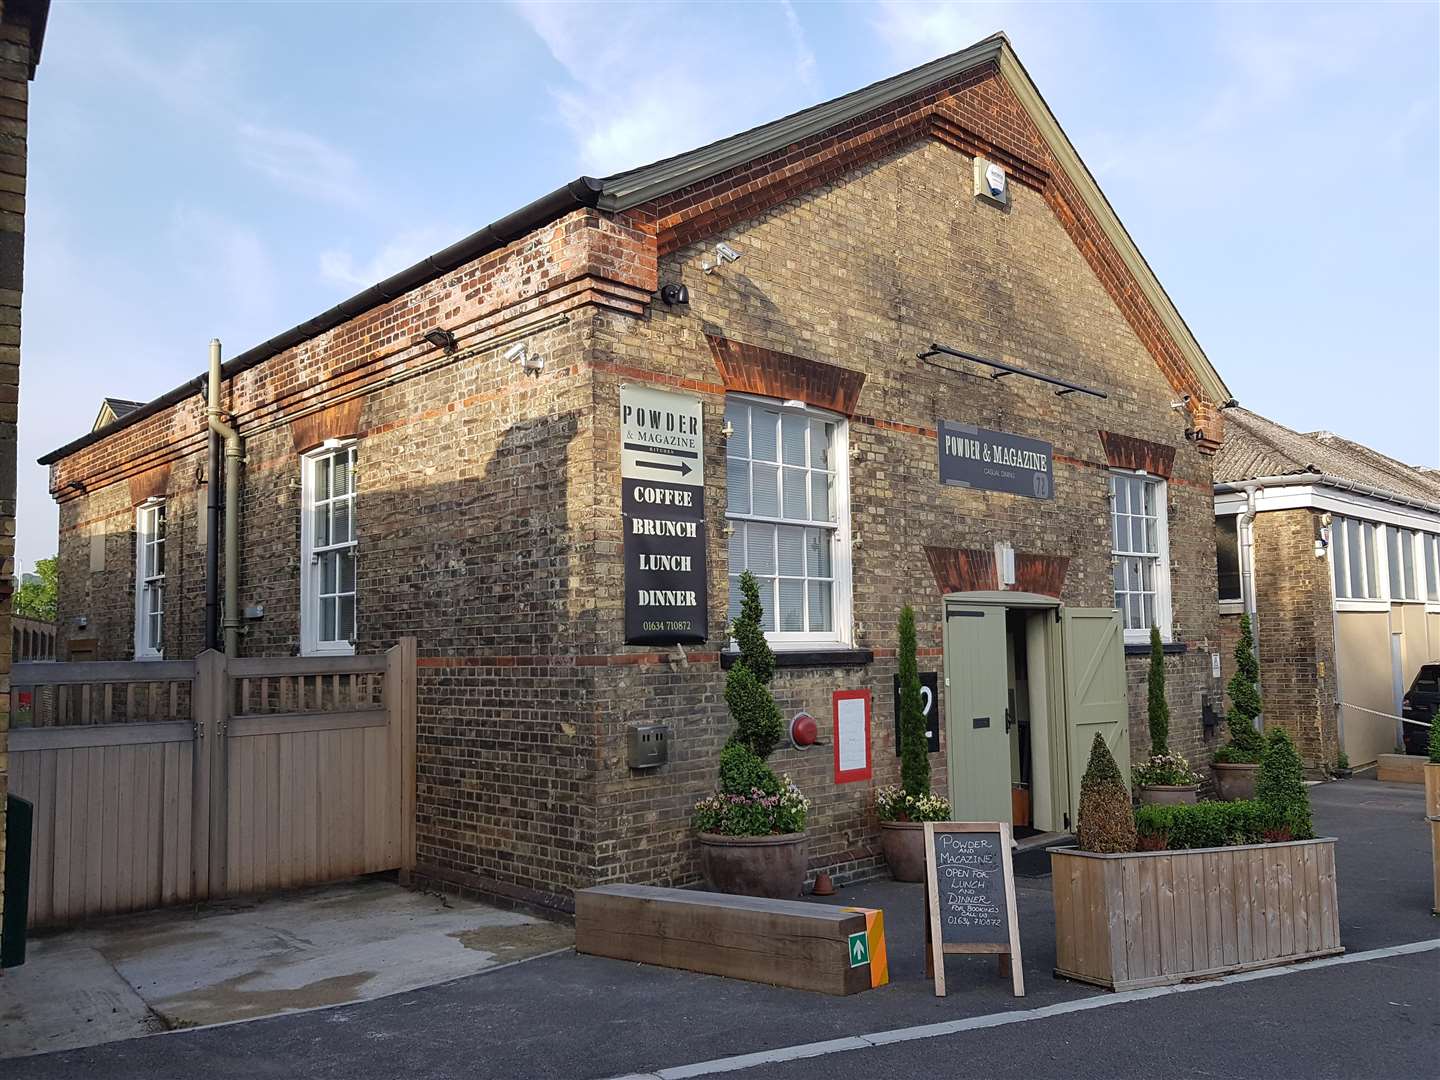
pixel 442 456
pixel 22 32
pixel 1334 549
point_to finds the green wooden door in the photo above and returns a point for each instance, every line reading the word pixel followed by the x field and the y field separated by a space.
pixel 1093 645
pixel 977 747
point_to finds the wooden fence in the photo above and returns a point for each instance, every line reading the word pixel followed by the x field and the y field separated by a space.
pixel 167 782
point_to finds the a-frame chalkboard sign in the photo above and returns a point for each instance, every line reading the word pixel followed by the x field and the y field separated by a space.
pixel 970 897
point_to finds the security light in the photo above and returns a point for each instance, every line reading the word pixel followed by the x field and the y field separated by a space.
pixel 441 338
pixel 675 294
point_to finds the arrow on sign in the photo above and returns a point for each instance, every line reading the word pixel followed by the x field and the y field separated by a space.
pixel 683 469
pixel 859 952
pixel 859 949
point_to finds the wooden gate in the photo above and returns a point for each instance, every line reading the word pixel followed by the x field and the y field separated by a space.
pixel 166 782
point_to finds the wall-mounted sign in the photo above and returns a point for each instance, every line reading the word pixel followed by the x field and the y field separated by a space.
pixel 852 735
pixel 662 493
pixel 995 461
pixel 929 690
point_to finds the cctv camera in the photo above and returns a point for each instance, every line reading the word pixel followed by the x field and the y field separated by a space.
pixel 726 253
pixel 675 294
pixel 515 352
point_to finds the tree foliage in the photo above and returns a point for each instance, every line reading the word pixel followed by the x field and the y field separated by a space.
pixel 36 600
pixel 1159 708
pixel 914 748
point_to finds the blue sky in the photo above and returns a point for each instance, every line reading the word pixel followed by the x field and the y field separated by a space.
pixel 230 170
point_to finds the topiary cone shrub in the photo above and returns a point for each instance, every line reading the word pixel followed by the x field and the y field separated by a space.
pixel 1246 745
pixel 1107 823
pixel 1280 789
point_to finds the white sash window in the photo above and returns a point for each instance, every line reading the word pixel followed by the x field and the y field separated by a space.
pixel 327 542
pixel 150 580
pixel 788 518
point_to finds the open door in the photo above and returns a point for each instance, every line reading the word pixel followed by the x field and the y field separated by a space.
pixel 1093 645
pixel 977 744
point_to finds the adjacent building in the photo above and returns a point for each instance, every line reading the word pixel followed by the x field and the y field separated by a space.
pixel 888 350
pixel 22 31
pixel 1334 550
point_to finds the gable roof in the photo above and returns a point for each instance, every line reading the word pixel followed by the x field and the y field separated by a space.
pixel 635 187
pixel 1256 447
pixel 112 409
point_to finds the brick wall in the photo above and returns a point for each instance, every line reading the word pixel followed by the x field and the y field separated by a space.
pixel 1295 633
pixel 488 504
pixel 15 70
pixel 857 274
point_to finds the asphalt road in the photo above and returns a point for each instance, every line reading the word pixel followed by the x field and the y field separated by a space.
pixel 569 1016
pixel 1380 1018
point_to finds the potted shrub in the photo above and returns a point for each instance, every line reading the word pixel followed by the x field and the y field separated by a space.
pixel 1342 770
pixel 1235 764
pixel 752 831
pixel 1189 891
pixel 904 810
pixel 1165 777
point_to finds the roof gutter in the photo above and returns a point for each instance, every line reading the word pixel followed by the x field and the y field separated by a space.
pixel 583 192
pixel 1324 480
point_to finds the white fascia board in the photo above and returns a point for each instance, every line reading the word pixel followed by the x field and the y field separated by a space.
pixel 1317 497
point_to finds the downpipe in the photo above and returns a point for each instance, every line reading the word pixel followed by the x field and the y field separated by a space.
pixel 220 425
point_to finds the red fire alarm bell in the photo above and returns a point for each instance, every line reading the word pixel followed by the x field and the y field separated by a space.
pixel 803 731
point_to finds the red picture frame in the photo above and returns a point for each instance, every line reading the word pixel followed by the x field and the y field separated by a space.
pixel 841 737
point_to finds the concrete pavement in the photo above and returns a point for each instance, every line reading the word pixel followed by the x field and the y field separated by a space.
pixel 575 1016
pixel 236 960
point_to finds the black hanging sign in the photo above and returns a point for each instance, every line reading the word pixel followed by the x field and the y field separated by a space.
pixel 662 493
pixel 995 461
pixel 929 696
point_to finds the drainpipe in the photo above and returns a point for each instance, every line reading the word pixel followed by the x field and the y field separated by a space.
pixel 212 542
pixel 1246 529
pixel 234 454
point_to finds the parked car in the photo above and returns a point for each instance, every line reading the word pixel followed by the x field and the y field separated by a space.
pixel 1420 703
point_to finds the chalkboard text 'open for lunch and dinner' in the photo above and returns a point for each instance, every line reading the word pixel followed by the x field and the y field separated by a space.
pixel 970 897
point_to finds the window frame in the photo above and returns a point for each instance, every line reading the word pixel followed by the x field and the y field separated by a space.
pixel 1234 603
pixel 841 634
pixel 1164 613
pixel 147 515
pixel 1396 570
pixel 1374 564
pixel 310 595
pixel 1430 555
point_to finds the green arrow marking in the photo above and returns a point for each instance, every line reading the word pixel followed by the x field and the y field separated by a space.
pixel 859 949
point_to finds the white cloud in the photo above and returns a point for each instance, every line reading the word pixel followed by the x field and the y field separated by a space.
pixel 230 260
pixel 403 250
pixel 301 162
pixel 913 32
pixel 631 99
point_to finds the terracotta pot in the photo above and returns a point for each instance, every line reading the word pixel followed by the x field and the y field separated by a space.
pixel 1168 794
pixel 772 866
pixel 1234 781
pixel 904 845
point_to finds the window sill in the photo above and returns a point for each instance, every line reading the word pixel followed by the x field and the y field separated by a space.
pixel 809 658
pixel 1169 648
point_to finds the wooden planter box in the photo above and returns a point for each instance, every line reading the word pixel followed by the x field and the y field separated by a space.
pixel 1432 815
pixel 1150 918
pixel 1400 768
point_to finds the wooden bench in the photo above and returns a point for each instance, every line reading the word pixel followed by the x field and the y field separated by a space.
pixel 780 942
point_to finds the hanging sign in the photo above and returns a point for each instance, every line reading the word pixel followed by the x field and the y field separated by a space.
pixel 929 688
pixel 970 897
pixel 987 460
pixel 662 494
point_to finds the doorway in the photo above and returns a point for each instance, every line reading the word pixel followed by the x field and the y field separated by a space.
pixel 1028 683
